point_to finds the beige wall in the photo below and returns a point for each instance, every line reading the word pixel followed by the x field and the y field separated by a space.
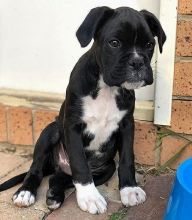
pixel 38 47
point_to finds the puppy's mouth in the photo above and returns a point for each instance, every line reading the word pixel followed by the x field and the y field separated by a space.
pixel 133 85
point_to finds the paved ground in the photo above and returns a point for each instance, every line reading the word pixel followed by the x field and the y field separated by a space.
pixel 12 163
pixel 157 189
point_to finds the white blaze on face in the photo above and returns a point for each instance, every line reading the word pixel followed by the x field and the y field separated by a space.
pixel 133 85
pixel 136 55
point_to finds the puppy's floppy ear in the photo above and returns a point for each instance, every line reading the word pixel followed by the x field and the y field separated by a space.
pixel 155 27
pixel 94 20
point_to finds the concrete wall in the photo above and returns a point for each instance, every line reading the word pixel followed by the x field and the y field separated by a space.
pixel 38 47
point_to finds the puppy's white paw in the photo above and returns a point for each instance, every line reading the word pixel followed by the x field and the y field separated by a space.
pixel 131 196
pixel 89 199
pixel 23 199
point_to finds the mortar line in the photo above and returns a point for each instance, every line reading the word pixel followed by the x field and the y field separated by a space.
pixel 182 98
pixel 6 118
pixel 157 150
pixel 184 17
pixel 33 126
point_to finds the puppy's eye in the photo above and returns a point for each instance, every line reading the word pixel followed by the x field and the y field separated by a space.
pixel 150 45
pixel 114 43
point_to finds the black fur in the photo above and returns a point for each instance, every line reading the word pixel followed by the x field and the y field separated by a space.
pixel 134 30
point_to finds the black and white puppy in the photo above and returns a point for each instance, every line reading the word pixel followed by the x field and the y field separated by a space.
pixel 96 120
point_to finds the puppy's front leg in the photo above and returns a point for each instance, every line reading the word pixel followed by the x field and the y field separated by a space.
pixel 88 197
pixel 130 193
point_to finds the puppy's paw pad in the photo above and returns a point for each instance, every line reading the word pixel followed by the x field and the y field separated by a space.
pixel 23 198
pixel 131 196
pixel 90 200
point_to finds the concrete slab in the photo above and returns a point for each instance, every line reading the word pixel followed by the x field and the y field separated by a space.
pixel 7 195
pixel 157 189
pixel 7 209
pixel 10 162
pixel 9 212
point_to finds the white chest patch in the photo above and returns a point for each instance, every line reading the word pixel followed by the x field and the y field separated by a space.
pixel 101 115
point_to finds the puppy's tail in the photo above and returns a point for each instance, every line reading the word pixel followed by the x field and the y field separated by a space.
pixel 12 182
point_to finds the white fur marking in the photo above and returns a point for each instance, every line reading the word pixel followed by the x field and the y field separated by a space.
pixel 101 115
pixel 136 55
pixel 24 199
pixel 89 199
pixel 131 196
pixel 54 206
pixel 135 85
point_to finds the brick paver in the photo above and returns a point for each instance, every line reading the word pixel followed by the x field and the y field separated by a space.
pixel 157 190
pixel 70 211
pixel 12 165
pixel 9 162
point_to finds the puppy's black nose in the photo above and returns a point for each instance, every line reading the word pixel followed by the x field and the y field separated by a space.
pixel 136 62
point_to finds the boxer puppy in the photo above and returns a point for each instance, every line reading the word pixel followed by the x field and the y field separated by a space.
pixel 96 119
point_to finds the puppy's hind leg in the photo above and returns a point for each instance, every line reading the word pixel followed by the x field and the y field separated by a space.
pixel 58 183
pixel 42 165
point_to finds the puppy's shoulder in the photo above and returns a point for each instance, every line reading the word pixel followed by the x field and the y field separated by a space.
pixel 84 76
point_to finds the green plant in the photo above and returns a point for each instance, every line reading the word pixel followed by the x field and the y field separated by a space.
pixel 119 215
pixel 166 132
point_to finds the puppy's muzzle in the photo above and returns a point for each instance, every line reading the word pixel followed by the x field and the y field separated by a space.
pixel 138 72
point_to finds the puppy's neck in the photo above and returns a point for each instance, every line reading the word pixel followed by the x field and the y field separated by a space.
pixel 102 84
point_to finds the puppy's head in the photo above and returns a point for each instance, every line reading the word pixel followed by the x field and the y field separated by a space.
pixel 123 44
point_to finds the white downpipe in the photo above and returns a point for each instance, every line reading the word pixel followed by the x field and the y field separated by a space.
pixel 165 64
